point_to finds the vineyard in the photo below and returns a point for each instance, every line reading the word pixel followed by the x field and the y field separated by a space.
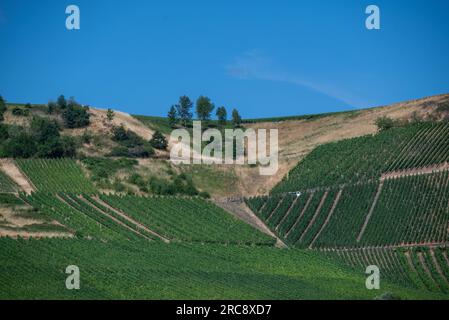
pixel 366 158
pixel 184 219
pixel 35 269
pixel 429 146
pixel 407 210
pixel 424 268
pixel 56 175
pixel 143 218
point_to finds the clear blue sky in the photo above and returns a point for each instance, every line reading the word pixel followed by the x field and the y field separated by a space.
pixel 266 58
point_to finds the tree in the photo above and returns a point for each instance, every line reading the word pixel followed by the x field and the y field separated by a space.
pixel 184 110
pixel 204 107
pixel 222 115
pixel 62 102
pixel 75 116
pixel 110 115
pixel 158 141
pixel 236 119
pixel 172 116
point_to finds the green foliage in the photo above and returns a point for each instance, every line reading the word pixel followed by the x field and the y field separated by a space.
pixel 184 219
pixel 56 175
pixel 2 108
pixel 110 115
pixel 135 146
pixel 385 123
pixel 75 116
pixel 21 112
pixel 204 108
pixel 349 160
pixel 178 271
pixel 184 108
pixel 62 102
pixel 6 184
pixel 158 141
pixel 41 139
pixel 7 198
pixel 104 168
pixel 236 118
pixel 172 116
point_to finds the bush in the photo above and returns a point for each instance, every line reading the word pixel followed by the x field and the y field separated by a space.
pixel 75 116
pixel 385 123
pixel 135 146
pixel 20 112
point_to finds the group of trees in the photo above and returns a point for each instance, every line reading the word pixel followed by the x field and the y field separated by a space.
pixel 182 112
pixel 73 114
pixel 41 139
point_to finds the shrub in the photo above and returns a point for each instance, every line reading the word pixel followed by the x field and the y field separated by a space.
pixel 75 116
pixel 158 141
pixel 20 112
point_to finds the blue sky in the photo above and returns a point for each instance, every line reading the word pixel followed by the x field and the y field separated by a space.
pixel 265 58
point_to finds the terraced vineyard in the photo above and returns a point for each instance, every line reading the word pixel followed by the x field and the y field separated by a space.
pixel 364 158
pixel 127 270
pixel 429 146
pixel 423 268
pixel 407 210
pixel 6 184
pixel 56 175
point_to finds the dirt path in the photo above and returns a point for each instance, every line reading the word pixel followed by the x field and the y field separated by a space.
pixel 371 210
pixel 315 215
pixel 334 205
pixel 32 234
pixel 415 171
pixel 240 210
pixel 124 216
pixel 393 246
pixel 10 168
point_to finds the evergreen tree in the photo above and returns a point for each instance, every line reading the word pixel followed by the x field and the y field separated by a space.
pixel 172 115
pixel 184 110
pixel 158 141
pixel 236 119
pixel 222 115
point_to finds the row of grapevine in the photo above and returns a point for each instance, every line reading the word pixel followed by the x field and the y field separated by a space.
pixel 6 184
pixel 82 221
pixel 421 268
pixel 347 161
pixel 429 146
pixel 186 219
pixel 56 175
pixel 35 269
